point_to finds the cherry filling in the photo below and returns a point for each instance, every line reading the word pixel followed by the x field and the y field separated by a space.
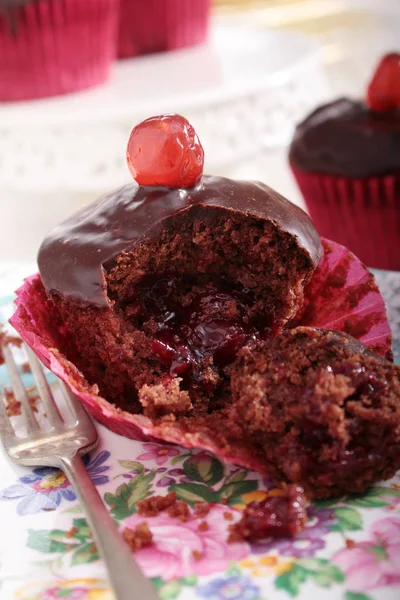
pixel 277 516
pixel 364 382
pixel 367 444
pixel 195 327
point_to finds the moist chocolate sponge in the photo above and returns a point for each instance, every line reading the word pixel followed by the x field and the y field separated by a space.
pixel 323 409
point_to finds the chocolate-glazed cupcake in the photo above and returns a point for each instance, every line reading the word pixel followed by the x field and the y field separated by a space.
pixel 162 282
pixel 146 298
pixel 346 160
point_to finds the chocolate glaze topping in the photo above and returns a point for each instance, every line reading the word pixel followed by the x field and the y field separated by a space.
pixel 348 139
pixel 73 256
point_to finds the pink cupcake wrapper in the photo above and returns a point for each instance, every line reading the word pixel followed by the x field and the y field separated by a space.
pixel 362 214
pixel 58 47
pixel 153 26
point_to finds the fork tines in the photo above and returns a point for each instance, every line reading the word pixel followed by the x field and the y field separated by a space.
pixel 52 411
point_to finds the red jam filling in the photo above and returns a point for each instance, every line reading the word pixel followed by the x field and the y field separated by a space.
pixel 207 331
pixel 276 517
pixel 365 382
pixel 364 448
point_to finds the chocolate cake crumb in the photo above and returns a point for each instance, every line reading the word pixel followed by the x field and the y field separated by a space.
pixel 33 401
pixel 71 532
pixel 203 526
pixel 151 507
pixel 179 510
pixel 25 367
pixel 140 537
pixel 201 510
pixel 197 555
pixel 228 516
pixel 350 544
pixel 13 405
pixel 164 398
pixel 8 339
pixel 234 536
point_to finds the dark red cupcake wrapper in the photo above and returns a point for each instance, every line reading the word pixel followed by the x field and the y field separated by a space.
pixel 52 47
pixel 362 214
pixel 153 26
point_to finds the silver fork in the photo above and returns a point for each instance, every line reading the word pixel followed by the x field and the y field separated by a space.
pixel 62 446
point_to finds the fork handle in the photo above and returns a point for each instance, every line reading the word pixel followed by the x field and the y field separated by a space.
pixel 126 578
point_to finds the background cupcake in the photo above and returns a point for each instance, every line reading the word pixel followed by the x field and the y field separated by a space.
pixel 51 47
pixel 345 157
pixel 160 25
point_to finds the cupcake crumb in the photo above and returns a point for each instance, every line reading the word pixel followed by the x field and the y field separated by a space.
pixel 13 405
pixel 140 537
pixel 151 507
pixel 164 399
pixel 8 339
pixel 179 510
pixel 228 516
pixel 71 532
pixel 201 510
pixel 234 535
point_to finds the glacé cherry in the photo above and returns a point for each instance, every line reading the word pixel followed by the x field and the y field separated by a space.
pixel 165 151
pixel 383 94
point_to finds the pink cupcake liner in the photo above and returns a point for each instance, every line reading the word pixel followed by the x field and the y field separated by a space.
pixel 342 295
pixel 159 25
pixel 53 47
pixel 362 214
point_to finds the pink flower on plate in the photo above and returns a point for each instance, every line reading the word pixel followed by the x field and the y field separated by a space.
pixel 160 454
pixel 55 593
pixel 376 562
pixel 181 549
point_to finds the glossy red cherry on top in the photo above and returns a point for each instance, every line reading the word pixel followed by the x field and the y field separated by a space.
pixel 165 151
pixel 383 92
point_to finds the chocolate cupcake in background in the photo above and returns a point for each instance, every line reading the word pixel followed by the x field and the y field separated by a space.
pixel 53 47
pixel 345 157
pixel 148 26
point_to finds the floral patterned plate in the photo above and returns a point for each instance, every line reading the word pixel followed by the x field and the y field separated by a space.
pixel 350 549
